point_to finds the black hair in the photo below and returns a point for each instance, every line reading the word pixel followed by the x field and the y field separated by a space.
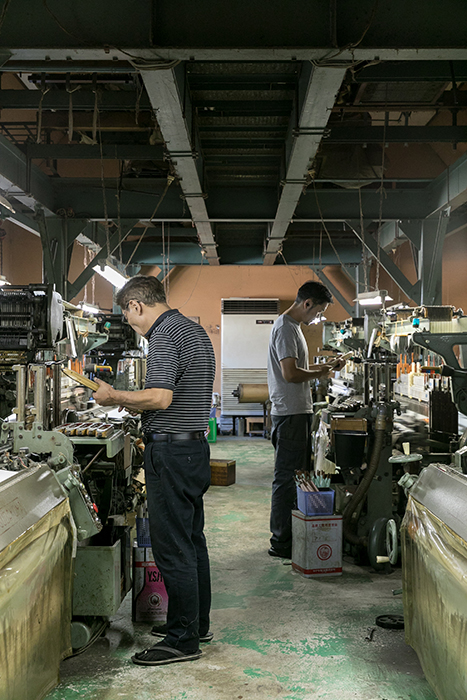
pixel 317 292
pixel 143 288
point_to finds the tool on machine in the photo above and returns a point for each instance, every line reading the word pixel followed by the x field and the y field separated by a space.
pixel 80 378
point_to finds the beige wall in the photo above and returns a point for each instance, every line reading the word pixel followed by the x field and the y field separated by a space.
pixel 198 291
pixel 22 264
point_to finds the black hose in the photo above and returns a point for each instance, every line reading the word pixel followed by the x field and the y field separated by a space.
pixel 364 485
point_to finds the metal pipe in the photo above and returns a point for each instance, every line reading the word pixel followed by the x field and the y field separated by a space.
pixel 20 392
pixel 364 485
pixel 56 396
pixel 40 394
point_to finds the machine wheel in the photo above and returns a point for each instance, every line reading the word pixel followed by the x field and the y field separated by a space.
pixel 377 544
pixel 392 541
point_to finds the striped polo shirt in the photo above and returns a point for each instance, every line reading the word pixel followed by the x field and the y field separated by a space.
pixel 180 358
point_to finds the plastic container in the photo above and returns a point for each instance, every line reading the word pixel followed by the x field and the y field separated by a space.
pixel 212 434
pixel 316 502
pixel 142 532
pixel 349 448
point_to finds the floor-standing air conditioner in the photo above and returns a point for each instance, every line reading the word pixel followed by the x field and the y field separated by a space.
pixel 245 329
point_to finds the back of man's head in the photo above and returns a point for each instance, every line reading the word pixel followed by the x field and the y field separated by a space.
pixel 315 291
pixel 143 288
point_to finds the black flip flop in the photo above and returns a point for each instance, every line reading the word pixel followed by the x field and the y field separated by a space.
pixel 161 631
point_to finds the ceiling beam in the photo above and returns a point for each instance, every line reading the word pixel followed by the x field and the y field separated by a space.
pixel 410 290
pixel 393 28
pixel 396 134
pixel 42 151
pixel 139 197
pixel 82 100
pixel 347 306
pixel 413 71
pixel 322 85
pixel 22 180
pixel 173 117
pixel 450 188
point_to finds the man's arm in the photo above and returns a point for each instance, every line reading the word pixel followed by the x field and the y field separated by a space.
pixel 297 375
pixel 144 400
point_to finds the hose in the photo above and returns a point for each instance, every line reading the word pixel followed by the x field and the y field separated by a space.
pixel 364 485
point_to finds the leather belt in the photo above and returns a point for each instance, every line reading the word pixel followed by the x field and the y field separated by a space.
pixel 172 437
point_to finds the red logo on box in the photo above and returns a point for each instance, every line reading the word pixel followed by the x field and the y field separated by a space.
pixel 324 552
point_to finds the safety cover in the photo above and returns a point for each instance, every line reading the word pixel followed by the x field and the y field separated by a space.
pixel 35 606
pixel 435 599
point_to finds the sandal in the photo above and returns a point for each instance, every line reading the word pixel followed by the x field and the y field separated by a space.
pixel 162 654
pixel 161 631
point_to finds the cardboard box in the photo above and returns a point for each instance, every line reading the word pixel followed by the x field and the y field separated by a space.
pixel 316 544
pixel 222 472
pixel 150 598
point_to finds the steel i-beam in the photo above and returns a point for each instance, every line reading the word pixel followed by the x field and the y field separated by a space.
pixel 165 97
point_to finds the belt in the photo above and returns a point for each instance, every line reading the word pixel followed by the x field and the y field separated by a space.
pixel 171 437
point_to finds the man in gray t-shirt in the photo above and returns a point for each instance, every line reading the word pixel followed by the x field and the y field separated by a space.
pixel 289 377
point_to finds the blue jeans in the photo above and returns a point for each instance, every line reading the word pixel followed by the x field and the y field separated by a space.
pixel 177 476
pixel 291 438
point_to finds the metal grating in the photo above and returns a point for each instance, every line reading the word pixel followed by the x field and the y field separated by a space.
pixel 230 379
pixel 250 306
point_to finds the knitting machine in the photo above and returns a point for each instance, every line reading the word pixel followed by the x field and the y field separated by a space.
pixel 394 409
pixel 120 360
pixel 56 434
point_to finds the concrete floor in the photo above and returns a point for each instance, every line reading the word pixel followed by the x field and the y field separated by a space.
pixel 276 634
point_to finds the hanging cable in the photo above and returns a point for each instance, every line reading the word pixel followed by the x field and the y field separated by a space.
pixel 362 231
pixel 382 193
pixel 164 272
pixel 167 277
pixel 322 62
pixel 104 195
pixel 70 106
pixel 96 108
pixel 119 220
pixel 325 228
pixel 196 284
pixel 44 91
pixel 170 179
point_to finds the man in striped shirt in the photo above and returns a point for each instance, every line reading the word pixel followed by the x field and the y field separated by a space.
pixel 176 403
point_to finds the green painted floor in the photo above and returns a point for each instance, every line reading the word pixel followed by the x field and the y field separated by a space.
pixel 276 634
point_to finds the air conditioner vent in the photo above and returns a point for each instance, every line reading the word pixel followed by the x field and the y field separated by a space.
pixel 250 306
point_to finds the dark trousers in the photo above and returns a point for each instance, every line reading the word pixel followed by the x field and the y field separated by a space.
pixel 177 476
pixel 291 438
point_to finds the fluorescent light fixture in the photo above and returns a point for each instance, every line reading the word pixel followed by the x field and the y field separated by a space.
pixel 111 275
pixel 5 203
pixel 375 298
pixel 3 281
pixel 90 308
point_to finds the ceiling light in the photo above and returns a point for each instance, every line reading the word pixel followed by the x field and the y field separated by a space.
pixel 5 203
pixel 3 281
pixel 376 298
pixel 111 275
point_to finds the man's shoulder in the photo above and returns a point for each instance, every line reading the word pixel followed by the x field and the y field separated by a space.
pixel 285 324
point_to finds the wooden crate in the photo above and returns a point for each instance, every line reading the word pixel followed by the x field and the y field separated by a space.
pixel 222 472
pixel 254 425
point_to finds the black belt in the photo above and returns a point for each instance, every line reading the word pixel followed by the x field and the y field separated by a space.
pixel 171 437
